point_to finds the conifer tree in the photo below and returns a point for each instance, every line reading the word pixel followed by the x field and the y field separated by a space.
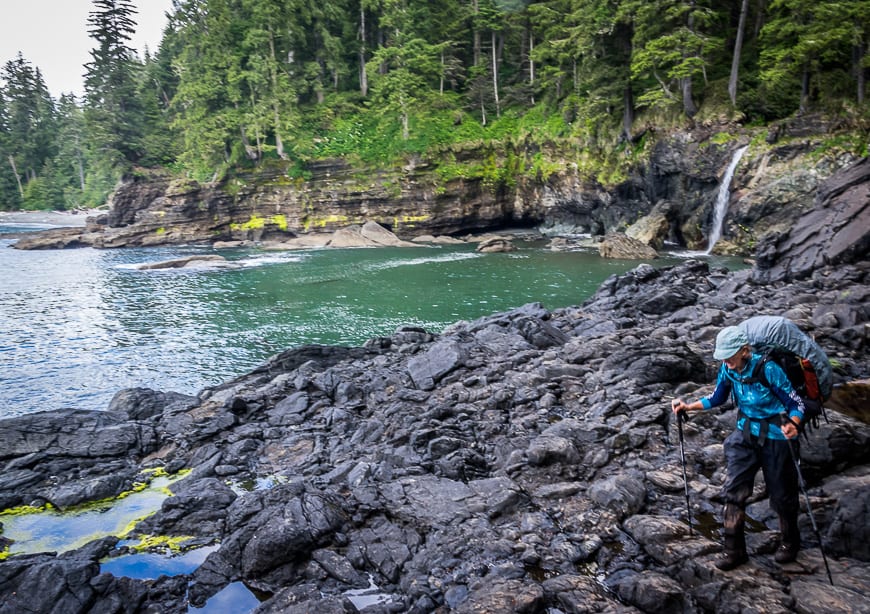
pixel 29 138
pixel 113 108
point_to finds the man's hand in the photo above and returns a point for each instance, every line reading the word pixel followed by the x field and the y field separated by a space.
pixel 790 427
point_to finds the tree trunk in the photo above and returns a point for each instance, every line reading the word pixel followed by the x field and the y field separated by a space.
pixel 627 112
pixel 363 76
pixel 861 73
pixel 532 65
pixel 805 92
pixel 759 19
pixel 15 172
pixel 476 45
pixel 441 79
pixel 689 107
pixel 79 164
pixel 495 77
pixel 279 144
pixel 406 132
pixel 738 48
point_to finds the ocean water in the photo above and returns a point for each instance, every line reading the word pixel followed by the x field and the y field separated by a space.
pixel 78 325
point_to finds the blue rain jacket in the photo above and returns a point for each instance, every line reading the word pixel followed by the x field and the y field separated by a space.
pixel 755 400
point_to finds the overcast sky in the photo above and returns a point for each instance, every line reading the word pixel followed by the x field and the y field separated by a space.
pixel 53 36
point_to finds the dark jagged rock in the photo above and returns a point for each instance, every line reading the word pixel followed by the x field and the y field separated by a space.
pixel 40 450
pixel 524 461
pixel 835 231
pixel 540 442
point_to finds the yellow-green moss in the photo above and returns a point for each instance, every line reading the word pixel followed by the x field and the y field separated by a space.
pixel 132 525
pixel 160 230
pixel 254 223
pixel 321 222
pixel 174 544
pixel 409 220
pixel 280 221
pixel 257 223
pixel 159 472
pixel 26 509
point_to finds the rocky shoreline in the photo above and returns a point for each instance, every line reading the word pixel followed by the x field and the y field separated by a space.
pixel 522 462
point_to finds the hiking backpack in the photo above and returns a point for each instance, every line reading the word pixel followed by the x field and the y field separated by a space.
pixel 805 364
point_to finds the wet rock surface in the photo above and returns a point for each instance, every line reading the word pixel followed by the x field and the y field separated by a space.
pixel 522 462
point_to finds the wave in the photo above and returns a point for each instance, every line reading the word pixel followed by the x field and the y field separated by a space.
pixel 255 261
pixel 688 255
pixel 392 264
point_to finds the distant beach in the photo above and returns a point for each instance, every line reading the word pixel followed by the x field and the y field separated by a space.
pixel 49 218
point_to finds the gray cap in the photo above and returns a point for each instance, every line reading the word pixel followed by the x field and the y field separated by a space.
pixel 728 342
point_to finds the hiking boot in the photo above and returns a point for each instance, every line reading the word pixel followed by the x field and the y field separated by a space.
pixel 731 560
pixel 790 538
pixel 735 546
pixel 786 553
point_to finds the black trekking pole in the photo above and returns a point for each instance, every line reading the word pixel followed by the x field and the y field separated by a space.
pixel 803 488
pixel 680 417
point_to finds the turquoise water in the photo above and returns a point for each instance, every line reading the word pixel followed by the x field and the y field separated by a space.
pixel 78 325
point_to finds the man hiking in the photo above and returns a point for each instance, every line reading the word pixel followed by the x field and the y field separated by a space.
pixel 768 418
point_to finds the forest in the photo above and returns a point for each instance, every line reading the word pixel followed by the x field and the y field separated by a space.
pixel 238 84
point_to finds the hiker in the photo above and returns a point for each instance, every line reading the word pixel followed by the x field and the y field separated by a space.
pixel 761 440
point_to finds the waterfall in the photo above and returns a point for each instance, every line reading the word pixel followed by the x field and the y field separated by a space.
pixel 722 200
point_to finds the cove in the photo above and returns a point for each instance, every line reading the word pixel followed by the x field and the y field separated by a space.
pixel 80 325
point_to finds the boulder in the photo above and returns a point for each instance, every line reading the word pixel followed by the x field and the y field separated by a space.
pixel 495 245
pixel 369 234
pixel 617 245
pixel 652 229
pixel 196 261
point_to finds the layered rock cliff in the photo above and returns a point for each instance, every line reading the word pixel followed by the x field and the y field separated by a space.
pixel 675 186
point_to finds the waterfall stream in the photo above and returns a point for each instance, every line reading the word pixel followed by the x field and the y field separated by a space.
pixel 722 199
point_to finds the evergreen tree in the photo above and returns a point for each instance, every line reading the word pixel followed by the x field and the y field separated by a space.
pixel 212 99
pixel 672 45
pixel 29 138
pixel 405 65
pixel 66 172
pixel 10 182
pixel 113 107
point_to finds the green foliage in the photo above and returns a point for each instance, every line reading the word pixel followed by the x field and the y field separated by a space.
pixel 239 85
